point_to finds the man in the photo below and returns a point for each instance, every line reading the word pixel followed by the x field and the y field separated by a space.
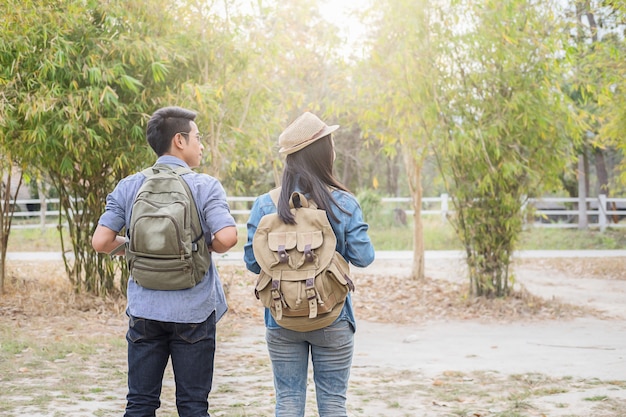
pixel 175 323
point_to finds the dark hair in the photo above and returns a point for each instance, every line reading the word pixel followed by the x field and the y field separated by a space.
pixel 311 171
pixel 164 124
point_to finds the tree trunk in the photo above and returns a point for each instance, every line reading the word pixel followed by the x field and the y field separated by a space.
pixel 4 228
pixel 7 207
pixel 601 172
pixel 582 193
pixel 414 174
pixel 585 171
pixel 392 176
pixel 346 175
pixel 418 239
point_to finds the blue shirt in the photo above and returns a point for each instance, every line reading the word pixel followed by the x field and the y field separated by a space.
pixel 192 305
pixel 353 242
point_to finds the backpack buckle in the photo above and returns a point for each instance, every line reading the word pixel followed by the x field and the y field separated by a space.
pixel 283 256
pixel 308 254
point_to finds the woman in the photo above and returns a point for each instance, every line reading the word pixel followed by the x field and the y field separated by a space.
pixel 309 149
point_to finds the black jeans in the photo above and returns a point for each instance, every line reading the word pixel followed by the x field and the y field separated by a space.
pixel 192 349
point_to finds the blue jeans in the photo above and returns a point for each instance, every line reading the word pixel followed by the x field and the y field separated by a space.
pixel 331 351
pixel 192 349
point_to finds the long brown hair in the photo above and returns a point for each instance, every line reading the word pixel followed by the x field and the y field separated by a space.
pixel 311 171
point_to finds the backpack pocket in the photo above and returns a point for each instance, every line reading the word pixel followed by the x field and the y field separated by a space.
pixel 262 291
pixel 163 274
pixel 280 243
pixel 277 240
pixel 307 242
pixel 292 298
pixel 162 234
pixel 312 240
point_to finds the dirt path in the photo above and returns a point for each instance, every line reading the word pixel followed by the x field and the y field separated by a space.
pixel 588 347
pixel 61 354
pixel 401 370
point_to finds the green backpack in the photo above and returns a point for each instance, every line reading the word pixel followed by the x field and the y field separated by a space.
pixel 166 248
pixel 303 281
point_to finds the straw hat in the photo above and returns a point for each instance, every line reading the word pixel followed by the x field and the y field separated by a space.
pixel 302 132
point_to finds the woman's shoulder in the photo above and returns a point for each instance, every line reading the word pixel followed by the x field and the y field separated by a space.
pixel 344 198
pixel 265 203
pixel 265 197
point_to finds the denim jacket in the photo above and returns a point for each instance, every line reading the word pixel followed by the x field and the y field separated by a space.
pixel 353 242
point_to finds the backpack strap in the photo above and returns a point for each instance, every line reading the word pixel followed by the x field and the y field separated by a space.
pixel 195 220
pixel 275 195
pixel 311 293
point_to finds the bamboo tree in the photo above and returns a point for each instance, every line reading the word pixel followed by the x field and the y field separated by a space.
pixel 8 197
pixel 508 129
pixel 401 81
pixel 594 54
pixel 80 81
pixel 294 66
pixel 597 83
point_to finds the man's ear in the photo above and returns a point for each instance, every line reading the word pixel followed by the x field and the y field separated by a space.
pixel 178 141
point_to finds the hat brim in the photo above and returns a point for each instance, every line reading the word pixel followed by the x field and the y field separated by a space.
pixel 324 132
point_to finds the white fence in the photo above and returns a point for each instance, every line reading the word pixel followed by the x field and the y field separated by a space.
pixel 551 212
pixel 562 212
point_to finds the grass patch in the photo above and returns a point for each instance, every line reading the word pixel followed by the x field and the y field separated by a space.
pixel 56 370
pixel 437 236
pixel 597 398
pixel 387 236
pixel 441 236
pixel 37 240
pixel 567 239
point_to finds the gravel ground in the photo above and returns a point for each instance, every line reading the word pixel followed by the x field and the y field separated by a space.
pixel 423 348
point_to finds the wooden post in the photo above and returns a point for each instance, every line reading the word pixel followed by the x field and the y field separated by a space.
pixel 602 220
pixel 42 206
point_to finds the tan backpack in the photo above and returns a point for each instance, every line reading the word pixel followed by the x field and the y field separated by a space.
pixel 303 280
